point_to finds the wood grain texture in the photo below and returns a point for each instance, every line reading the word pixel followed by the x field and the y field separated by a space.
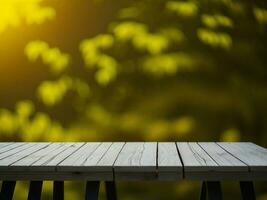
pixel 226 161
pixel 132 161
pixel 169 163
pixel 111 155
pixel 14 148
pixel 60 155
pixel 253 155
pixel 37 155
pixel 10 147
pixel 195 158
pixel 137 161
pixel 3 144
pixel 198 165
pixel 77 160
pixel 86 159
pixel 31 149
pixel 46 158
pixel 137 156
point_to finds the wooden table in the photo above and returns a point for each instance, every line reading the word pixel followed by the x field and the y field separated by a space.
pixel 209 162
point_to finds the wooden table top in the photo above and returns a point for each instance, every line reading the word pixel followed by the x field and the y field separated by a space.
pixel 132 161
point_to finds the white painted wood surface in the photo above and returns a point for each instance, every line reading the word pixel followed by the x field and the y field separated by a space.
pixel 253 155
pixel 55 158
pixel 111 155
pixel 195 158
pixel 226 161
pixel 3 144
pixel 137 156
pixel 10 147
pixel 14 148
pixel 136 161
pixel 169 163
pixel 31 149
pixel 77 160
pixel 132 161
pixel 168 157
pixel 36 156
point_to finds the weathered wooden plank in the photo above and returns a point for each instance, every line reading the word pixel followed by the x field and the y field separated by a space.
pixel 11 146
pixel 137 156
pixel 32 148
pixel 87 160
pixel 132 161
pixel 3 144
pixel 195 158
pixel 137 160
pixel 58 156
pixel 36 156
pixel 76 160
pixel 253 155
pixel 13 149
pixel 198 165
pixel 95 157
pixel 226 161
pixel 111 155
pixel 168 157
pixel 169 163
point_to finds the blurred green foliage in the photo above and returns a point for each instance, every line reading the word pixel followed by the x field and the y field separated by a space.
pixel 178 70
pixel 13 12
pixel 51 56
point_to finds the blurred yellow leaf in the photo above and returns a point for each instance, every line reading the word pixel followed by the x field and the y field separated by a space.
pixel 214 39
pixel 14 12
pixel 128 30
pixel 157 130
pixel 153 43
pixel 141 39
pixel 98 114
pixel 57 60
pixel 107 65
pixel 231 135
pixel 168 64
pixel 183 125
pixel 173 34
pixel 25 108
pixel 52 92
pixel 260 15
pixel 35 49
pixel 8 122
pixel 41 127
pixel 103 41
pixel 214 21
pixel 184 9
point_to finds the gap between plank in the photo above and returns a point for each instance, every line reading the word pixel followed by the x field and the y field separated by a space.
pixel 180 158
pixel 249 169
pixel 113 171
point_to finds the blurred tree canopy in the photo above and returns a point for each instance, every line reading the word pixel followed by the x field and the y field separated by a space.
pixel 157 70
pixel 178 70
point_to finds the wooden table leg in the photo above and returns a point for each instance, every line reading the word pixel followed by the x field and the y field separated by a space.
pixel 7 190
pixel 247 190
pixel 213 189
pixel 92 189
pixel 111 190
pixel 58 190
pixel 203 193
pixel 35 190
